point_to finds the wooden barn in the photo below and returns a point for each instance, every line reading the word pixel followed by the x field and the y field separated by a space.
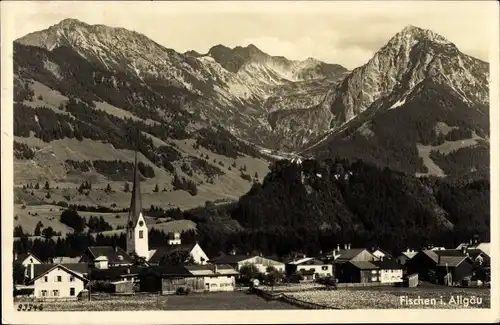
pixel 359 272
pixel 200 278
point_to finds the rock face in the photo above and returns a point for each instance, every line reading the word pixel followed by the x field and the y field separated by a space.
pixel 294 106
pixel 411 56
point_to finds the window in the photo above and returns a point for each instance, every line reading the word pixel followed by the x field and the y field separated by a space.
pixel 46 279
pixel 374 272
pixel 214 284
pixel 130 234
pixel 44 293
pixel 58 278
pixel 55 293
pixel 229 276
pixel 71 278
pixel 374 278
pixel 141 234
pixel 72 292
pixel 324 267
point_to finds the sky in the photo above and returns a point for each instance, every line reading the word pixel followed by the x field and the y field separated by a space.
pixel 346 33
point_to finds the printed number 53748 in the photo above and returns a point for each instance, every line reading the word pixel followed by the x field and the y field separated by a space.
pixel 29 307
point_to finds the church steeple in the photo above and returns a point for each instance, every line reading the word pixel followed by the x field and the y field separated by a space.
pixel 137 230
pixel 136 200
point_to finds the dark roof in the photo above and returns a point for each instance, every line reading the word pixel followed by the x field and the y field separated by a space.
pixel 136 200
pixel 111 254
pixel 230 259
pixel 113 273
pixel 389 264
pixel 473 253
pixel 349 254
pixel 451 261
pixel 74 268
pixel 169 271
pixel 162 251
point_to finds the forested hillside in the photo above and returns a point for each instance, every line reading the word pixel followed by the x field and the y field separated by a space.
pixel 315 206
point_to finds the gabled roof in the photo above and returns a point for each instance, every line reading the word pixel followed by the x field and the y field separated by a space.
pixel 349 254
pixel 471 252
pixel 386 253
pixel 307 261
pixel 409 254
pixel 431 254
pixel 160 252
pixel 390 264
pixel 363 265
pixel 22 257
pixel 77 269
pixel 451 261
pixel 114 273
pixel 231 259
pixel 111 254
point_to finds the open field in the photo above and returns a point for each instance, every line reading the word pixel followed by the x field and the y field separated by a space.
pixel 440 297
pixel 207 301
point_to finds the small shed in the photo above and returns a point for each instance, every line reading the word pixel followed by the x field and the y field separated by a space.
pixel 123 287
pixel 411 280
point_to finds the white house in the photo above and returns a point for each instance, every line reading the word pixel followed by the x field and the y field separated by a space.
pixel 238 261
pixel 390 271
pixel 29 261
pixel 380 253
pixel 215 277
pixel 310 268
pixel 59 281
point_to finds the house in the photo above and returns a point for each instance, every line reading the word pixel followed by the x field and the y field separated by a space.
pixel 168 279
pixel 115 256
pixel 423 263
pixel 410 280
pixel 59 281
pixel 310 268
pixel 452 270
pixel 447 266
pixel 405 256
pixel 390 271
pixel 380 253
pixel 353 254
pixel 194 250
pixel 121 278
pixel 358 272
pixel 238 261
pixel 28 261
pixel 477 255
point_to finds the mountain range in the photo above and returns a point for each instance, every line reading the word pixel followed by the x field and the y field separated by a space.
pixel 212 123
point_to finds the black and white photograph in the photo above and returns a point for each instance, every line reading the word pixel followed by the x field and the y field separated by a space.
pixel 219 160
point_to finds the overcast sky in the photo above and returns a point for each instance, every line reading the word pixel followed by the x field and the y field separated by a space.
pixel 347 33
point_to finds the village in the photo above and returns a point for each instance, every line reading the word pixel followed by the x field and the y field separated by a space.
pixel 339 279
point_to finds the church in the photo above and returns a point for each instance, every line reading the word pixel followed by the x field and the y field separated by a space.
pixel 137 242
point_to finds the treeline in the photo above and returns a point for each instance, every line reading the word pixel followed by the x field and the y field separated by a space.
pixel 205 167
pixel 184 184
pixel 463 160
pixel 23 151
pixel 370 206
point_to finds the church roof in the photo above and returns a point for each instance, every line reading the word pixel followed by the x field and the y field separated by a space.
pixel 136 200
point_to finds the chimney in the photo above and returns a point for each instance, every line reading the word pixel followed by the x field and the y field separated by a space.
pixel 115 248
pixel 345 246
pixel 128 270
pixel 349 246
pixel 338 248
pixel 470 241
pixel 464 250
pixel 215 268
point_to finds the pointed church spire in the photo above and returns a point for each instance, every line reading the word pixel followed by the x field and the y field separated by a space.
pixel 136 200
